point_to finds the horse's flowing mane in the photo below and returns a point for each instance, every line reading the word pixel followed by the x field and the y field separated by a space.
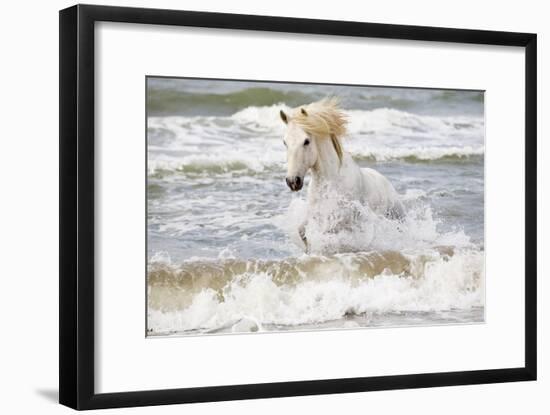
pixel 323 119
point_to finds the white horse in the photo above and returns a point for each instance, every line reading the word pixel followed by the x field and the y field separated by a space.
pixel 313 143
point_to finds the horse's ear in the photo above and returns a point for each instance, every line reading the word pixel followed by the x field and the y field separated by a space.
pixel 283 117
pixel 303 111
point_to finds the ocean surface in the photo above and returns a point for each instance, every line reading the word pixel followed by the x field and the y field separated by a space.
pixel 224 255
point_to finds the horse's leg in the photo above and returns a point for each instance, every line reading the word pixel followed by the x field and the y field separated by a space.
pixel 302 233
pixel 396 212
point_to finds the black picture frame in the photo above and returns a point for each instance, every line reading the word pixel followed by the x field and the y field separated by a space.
pixel 76 279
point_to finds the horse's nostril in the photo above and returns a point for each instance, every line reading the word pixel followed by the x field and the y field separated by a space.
pixel 295 183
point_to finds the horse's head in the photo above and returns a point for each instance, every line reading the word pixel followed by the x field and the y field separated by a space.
pixel 301 151
pixel 310 129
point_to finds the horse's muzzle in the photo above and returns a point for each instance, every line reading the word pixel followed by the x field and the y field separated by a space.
pixel 295 183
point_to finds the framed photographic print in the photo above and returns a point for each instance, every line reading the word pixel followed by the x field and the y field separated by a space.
pixel 258 206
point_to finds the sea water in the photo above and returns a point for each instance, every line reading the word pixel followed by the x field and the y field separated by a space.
pixel 224 254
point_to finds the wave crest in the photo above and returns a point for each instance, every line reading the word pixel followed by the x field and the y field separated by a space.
pixel 250 140
pixel 307 291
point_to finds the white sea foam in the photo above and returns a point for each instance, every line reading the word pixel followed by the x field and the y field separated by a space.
pixel 434 279
pixel 368 231
pixel 448 283
pixel 420 153
pixel 219 163
pixel 251 139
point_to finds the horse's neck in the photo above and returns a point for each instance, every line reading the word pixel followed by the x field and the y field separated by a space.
pixel 326 172
pixel 327 168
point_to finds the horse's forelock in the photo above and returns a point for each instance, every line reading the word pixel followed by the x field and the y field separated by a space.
pixel 323 119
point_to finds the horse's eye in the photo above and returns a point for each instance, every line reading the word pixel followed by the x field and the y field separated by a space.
pixel 284 142
pixel 306 142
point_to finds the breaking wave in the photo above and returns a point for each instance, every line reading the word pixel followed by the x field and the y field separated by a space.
pixel 386 266
pixel 236 295
pixel 207 144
